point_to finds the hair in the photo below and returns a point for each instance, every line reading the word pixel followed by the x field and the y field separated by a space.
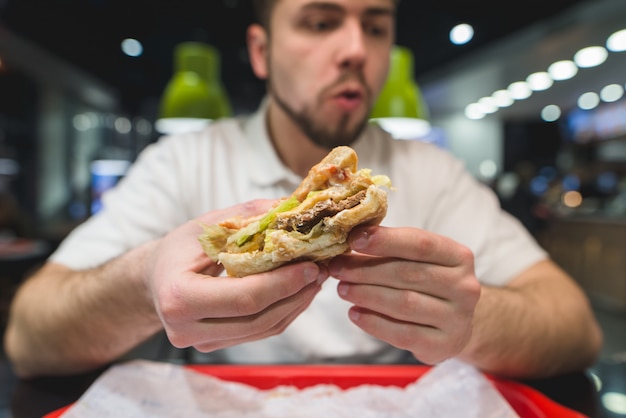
pixel 263 11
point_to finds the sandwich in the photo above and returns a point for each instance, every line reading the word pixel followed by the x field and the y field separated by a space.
pixel 311 224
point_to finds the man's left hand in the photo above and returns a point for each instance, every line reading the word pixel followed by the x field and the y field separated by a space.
pixel 412 288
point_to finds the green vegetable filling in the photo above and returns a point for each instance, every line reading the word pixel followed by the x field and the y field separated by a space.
pixel 256 227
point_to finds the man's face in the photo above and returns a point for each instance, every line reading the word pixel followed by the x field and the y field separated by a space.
pixel 327 61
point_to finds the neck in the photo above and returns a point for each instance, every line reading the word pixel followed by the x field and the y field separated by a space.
pixel 294 148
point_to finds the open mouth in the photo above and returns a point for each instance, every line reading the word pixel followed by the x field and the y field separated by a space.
pixel 351 94
pixel 349 99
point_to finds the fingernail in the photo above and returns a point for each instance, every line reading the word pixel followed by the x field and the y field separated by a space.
pixel 342 289
pixel 322 275
pixel 354 314
pixel 361 241
pixel 311 273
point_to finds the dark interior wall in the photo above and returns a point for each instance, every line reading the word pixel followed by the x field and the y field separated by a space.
pixel 536 142
pixel 18 128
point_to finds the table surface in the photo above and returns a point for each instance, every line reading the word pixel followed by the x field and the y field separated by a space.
pixel 37 397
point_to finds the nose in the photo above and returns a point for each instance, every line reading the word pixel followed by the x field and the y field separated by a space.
pixel 351 49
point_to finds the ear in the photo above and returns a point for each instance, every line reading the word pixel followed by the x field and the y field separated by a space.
pixel 257 50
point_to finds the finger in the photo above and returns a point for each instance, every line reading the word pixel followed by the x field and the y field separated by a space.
pixel 197 296
pixel 394 273
pixel 246 209
pixel 410 244
pixel 402 305
pixel 397 284
pixel 210 333
pixel 180 254
pixel 258 333
pixel 428 344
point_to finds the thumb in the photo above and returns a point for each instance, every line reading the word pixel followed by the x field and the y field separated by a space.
pixel 244 210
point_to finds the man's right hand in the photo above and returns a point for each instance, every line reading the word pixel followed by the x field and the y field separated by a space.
pixel 201 309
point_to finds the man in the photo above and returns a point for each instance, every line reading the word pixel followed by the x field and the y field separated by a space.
pixel 447 275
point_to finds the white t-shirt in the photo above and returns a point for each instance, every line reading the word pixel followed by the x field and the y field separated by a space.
pixel 181 177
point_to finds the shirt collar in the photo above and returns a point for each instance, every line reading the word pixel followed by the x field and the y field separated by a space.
pixel 264 164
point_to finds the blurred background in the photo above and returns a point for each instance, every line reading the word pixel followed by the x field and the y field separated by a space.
pixel 529 94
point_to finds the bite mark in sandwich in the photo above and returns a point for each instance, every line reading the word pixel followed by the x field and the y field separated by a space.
pixel 311 224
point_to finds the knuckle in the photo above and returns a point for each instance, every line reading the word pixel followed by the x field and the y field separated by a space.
pixel 245 304
pixel 250 206
pixel 171 306
pixel 289 285
pixel 472 289
pixel 425 243
pixel 256 206
pixel 406 271
pixel 410 300
pixel 466 256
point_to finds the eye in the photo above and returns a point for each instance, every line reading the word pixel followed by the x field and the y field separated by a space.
pixel 318 20
pixel 376 29
pixel 321 25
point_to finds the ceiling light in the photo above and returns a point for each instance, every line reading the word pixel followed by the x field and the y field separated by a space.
pixel 81 122
pixel 195 95
pixel 572 198
pixel 180 125
pixel 591 56
pixel 502 98
pixel 132 47
pixel 461 34
pixel 588 100
pixel 84 121
pixel 404 128
pixel 520 90
pixel 488 105
pixel 614 402
pixel 539 81
pixel 123 125
pixel 611 93
pixel 551 113
pixel 562 70
pixel 617 41
pixel 488 169
pixel 473 111
pixel 143 126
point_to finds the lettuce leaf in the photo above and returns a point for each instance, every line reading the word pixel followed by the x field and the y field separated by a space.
pixel 246 233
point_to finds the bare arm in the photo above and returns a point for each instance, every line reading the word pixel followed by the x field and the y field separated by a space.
pixel 64 321
pixel 540 324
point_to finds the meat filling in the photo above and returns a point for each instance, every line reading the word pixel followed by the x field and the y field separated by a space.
pixel 304 221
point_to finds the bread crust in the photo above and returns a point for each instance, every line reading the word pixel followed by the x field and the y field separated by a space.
pixel 335 178
pixel 287 247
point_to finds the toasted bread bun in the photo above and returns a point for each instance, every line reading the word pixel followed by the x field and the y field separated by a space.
pixel 312 224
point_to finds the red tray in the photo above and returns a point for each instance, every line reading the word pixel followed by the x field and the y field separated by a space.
pixel 527 402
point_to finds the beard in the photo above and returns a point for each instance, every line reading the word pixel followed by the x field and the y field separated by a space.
pixel 323 134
